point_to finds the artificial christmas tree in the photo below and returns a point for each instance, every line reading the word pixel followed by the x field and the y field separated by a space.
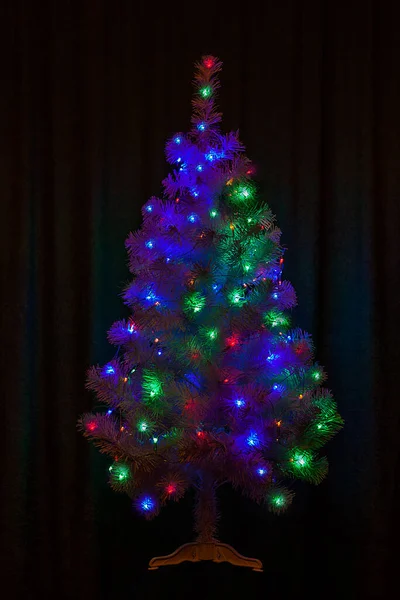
pixel 210 385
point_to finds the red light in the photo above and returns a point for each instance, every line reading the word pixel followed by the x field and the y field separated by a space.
pixel 226 380
pixel 201 435
pixel 281 261
pixel 91 426
pixel 171 488
pixel 208 62
pixel 195 355
pixel 176 199
pixel 233 340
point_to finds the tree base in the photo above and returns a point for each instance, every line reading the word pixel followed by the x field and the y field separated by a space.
pixel 198 551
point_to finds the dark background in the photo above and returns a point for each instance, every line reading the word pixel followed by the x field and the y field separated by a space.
pixel 90 93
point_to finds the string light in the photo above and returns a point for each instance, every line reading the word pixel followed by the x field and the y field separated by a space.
pixel 201 126
pixel 240 402
pixel 208 62
pixel 213 213
pixel 149 208
pixel 193 218
pixel 170 489
pixel 142 426
pixel 91 426
pixel 149 244
pixel 199 168
pixel 147 504
pixel 261 471
pixel 110 370
pixel 177 139
pixel 253 439
pixel 206 91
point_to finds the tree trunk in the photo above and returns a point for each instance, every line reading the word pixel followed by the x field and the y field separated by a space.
pixel 206 514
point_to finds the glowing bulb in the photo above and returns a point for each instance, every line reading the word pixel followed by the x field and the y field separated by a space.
pixel 212 334
pixel 210 156
pixel 206 91
pixel 192 218
pixel 319 426
pixel 155 440
pixel 261 471
pixel 149 208
pixel 253 439
pixel 317 375
pixel 147 504
pixel 199 168
pixel 278 500
pixel 91 426
pixel 201 126
pixel 275 387
pixel 149 244
pixel 213 213
pixel 240 402
pixel 275 296
pixel 159 352
pixel 142 426
pixel 110 370
pixel 247 268
pixel 179 159
pixel 208 62
pixel 109 411
pixel 170 489
pixel 177 140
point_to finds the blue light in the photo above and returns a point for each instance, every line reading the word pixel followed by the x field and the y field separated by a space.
pixel 177 140
pixel 199 168
pixel 109 411
pixel 110 370
pixel 240 402
pixel 178 160
pixel 131 328
pixel 253 439
pixel 261 471
pixel 210 156
pixel 159 352
pixel 289 338
pixel 275 387
pixel 192 218
pixel 147 504
pixel 195 193
pixel 272 357
pixel 149 208
pixel 149 244
pixel 215 287
pixel 275 296
pixel 168 259
pixel 201 126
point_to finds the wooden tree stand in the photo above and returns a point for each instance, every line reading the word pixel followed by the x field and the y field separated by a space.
pixel 197 551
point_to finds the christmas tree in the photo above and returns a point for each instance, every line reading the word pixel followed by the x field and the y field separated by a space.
pixel 210 384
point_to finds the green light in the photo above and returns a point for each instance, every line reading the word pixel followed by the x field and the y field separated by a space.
pixel 278 500
pixel 243 192
pixel 212 334
pixel 247 268
pixel 236 296
pixel 142 426
pixel 317 375
pixel 194 302
pixel 206 91
pixel 151 384
pixel 155 440
pixel 249 220
pixel 301 459
pixel 213 213
pixel 119 472
pixel 275 318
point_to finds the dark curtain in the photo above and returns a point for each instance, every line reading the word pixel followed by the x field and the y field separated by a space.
pixel 90 92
